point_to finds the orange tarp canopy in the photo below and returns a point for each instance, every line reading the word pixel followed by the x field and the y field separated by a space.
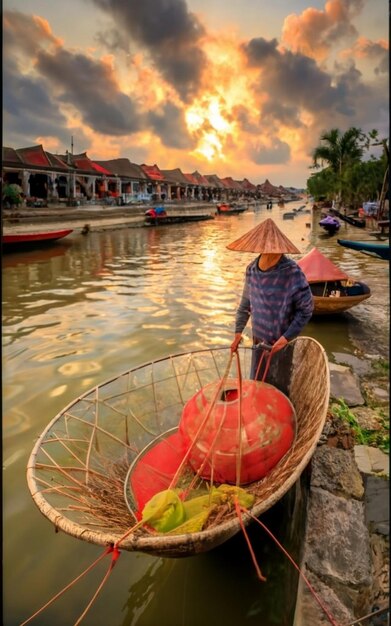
pixel 318 268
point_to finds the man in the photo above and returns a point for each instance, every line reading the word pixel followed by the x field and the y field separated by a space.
pixel 276 293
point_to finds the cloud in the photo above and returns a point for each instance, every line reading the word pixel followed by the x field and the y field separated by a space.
pixel 169 124
pixel 272 152
pixel 90 86
pixel 167 30
pixel 28 109
pixel 314 32
pixel 375 51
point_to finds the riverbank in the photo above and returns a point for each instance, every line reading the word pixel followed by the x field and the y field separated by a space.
pixel 96 217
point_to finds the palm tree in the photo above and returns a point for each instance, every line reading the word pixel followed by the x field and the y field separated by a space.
pixel 339 151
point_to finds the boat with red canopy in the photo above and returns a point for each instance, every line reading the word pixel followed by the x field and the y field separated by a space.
pixel 333 290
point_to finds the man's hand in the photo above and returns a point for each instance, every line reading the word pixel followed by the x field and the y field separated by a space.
pixel 279 344
pixel 236 342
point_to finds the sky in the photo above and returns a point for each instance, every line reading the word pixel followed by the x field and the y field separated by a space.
pixel 240 88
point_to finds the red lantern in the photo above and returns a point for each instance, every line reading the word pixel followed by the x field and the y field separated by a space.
pixel 267 430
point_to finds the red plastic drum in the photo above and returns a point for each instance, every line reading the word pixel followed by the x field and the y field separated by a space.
pixel 268 430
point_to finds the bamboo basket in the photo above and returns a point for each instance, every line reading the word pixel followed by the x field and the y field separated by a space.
pixel 77 471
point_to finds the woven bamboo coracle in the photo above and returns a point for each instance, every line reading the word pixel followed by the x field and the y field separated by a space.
pixel 77 472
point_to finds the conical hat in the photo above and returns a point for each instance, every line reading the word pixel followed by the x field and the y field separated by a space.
pixel 267 238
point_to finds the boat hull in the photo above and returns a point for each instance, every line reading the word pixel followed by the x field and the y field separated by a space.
pixel 33 239
pixel 354 221
pixel 112 423
pixel 330 306
pixel 379 250
pixel 226 209
pixel 175 219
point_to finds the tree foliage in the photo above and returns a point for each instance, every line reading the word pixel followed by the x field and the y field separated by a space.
pixel 12 194
pixel 346 175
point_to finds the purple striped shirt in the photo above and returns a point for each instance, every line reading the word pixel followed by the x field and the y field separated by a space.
pixel 279 301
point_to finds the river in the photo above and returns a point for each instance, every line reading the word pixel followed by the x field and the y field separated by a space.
pixel 87 309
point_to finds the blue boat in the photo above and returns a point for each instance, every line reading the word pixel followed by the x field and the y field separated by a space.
pixel 380 250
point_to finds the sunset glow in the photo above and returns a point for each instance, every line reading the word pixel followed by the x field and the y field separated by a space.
pixel 192 94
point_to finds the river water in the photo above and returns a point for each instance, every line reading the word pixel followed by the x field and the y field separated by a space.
pixel 87 309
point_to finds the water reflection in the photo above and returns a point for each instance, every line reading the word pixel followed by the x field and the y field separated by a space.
pixel 200 598
pixel 91 308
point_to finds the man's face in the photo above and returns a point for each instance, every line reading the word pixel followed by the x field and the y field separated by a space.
pixel 268 260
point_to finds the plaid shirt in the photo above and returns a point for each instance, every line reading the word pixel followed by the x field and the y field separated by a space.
pixel 279 301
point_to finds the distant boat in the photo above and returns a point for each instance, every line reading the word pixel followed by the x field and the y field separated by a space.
pixel 156 217
pixel 288 216
pixel 16 240
pixel 379 250
pixel 333 291
pixel 230 209
pixel 330 224
pixel 350 219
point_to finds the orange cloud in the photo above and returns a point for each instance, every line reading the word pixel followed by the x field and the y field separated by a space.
pixel 314 32
pixel 46 30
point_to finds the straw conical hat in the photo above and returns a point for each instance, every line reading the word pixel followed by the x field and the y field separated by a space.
pixel 267 238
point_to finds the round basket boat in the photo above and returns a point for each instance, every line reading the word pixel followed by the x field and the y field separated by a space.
pixel 78 470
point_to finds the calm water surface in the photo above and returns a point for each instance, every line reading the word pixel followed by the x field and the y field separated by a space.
pixel 86 310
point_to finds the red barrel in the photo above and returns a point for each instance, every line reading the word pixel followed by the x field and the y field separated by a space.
pixel 267 433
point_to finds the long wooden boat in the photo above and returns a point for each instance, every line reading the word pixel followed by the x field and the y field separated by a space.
pixel 25 239
pixel 161 219
pixel 350 219
pixel 333 290
pixel 230 209
pixel 379 250
pixel 78 471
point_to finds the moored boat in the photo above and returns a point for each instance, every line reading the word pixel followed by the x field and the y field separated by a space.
pixel 379 250
pixel 159 217
pixel 230 209
pixel 330 224
pixel 333 291
pixel 15 240
pixel 78 472
pixel 350 219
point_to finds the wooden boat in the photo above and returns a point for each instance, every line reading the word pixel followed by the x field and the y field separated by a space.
pixel 350 219
pixel 160 219
pixel 230 209
pixel 330 224
pixel 289 215
pixel 78 471
pixel 333 291
pixel 32 239
pixel 379 250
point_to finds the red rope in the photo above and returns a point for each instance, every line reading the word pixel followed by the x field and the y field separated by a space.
pixel 307 582
pixel 267 365
pixel 252 553
pixel 114 560
pixel 240 421
pixel 73 582
pixel 201 426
